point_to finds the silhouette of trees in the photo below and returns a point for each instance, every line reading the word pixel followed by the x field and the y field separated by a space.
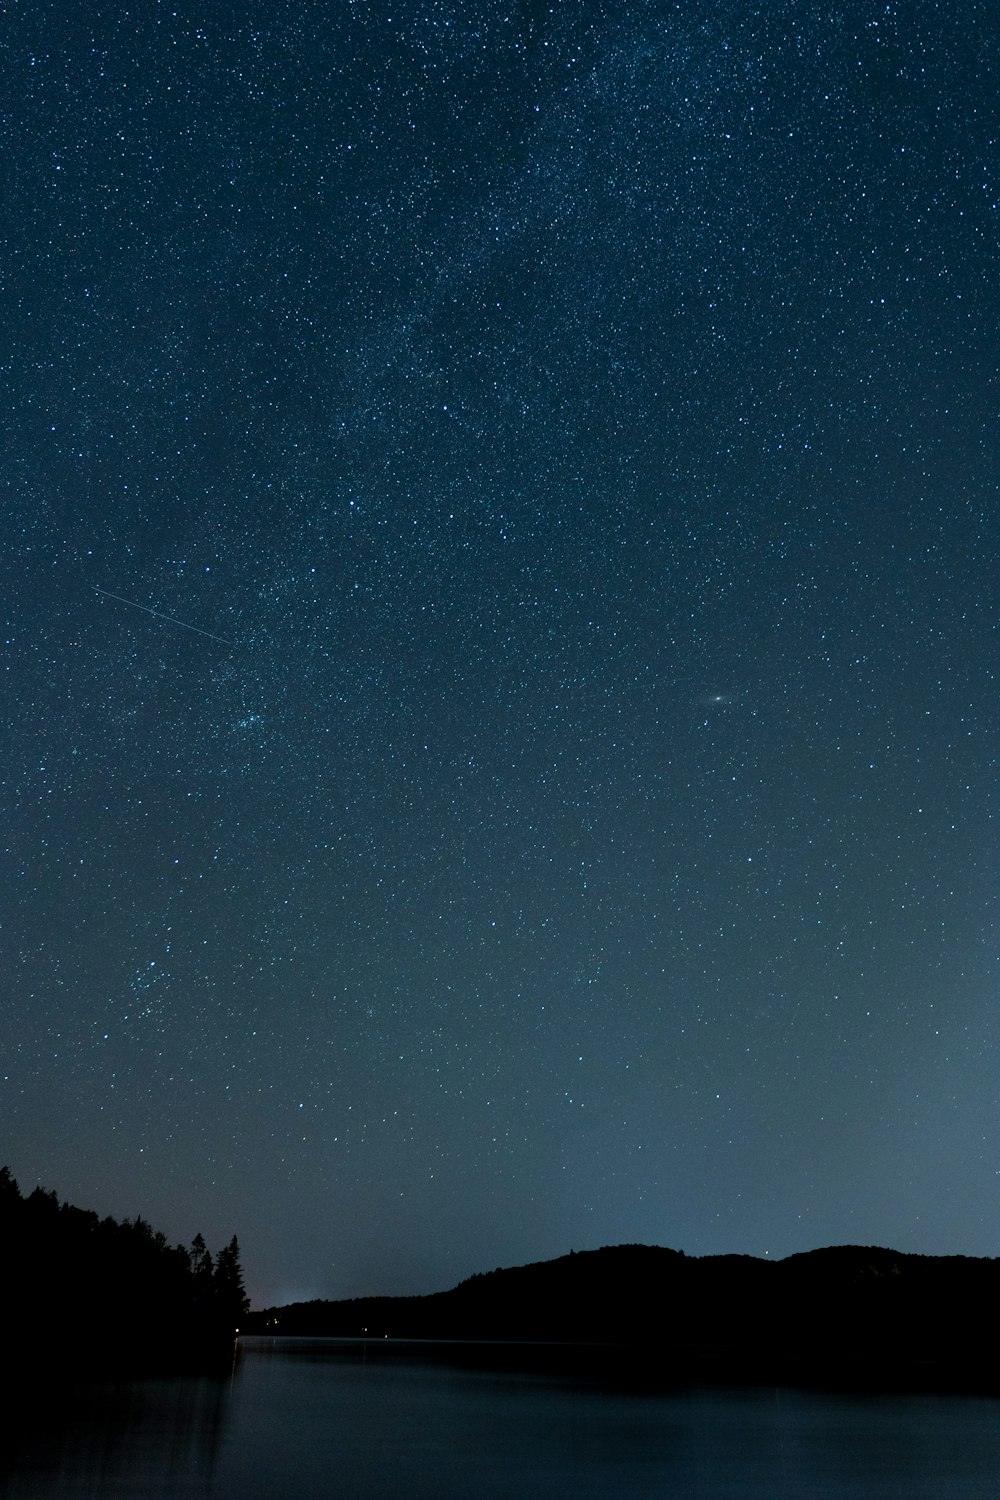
pixel 118 1290
pixel 202 1273
pixel 231 1301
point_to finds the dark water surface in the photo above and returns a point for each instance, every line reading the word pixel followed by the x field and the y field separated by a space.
pixel 304 1419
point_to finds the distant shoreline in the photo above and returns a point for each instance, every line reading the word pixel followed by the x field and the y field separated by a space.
pixel 848 1317
pixel 644 1365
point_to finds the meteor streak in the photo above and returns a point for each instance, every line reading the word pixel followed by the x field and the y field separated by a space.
pixel 171 619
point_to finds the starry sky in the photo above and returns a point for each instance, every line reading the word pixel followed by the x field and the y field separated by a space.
pixel 500 560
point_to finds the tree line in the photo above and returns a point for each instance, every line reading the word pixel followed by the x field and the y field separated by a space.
pixel 111 1294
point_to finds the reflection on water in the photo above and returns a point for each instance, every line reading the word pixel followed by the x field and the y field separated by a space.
pixel 312 1418
pixel 153 1437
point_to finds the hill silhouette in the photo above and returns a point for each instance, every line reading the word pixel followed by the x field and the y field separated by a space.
pixel 851 1313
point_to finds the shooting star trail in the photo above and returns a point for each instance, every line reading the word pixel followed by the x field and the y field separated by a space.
pixel 170 619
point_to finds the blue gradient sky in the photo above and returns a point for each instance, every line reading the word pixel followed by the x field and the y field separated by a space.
pixel 561 805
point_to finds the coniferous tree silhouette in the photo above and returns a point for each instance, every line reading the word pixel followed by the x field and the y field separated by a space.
pixel 231 1301
pixel 202 1272
pixel 109 1294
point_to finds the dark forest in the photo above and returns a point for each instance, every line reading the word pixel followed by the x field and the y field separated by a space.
pixel 104 1294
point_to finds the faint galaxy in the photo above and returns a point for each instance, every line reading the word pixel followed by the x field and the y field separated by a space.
pixel 500 557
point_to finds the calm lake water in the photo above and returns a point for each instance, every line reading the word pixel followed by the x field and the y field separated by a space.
pixel 305 1419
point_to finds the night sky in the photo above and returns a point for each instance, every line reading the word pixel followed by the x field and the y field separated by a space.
pixel 501 568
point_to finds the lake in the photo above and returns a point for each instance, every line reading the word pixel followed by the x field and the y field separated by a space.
pixel 302 1419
